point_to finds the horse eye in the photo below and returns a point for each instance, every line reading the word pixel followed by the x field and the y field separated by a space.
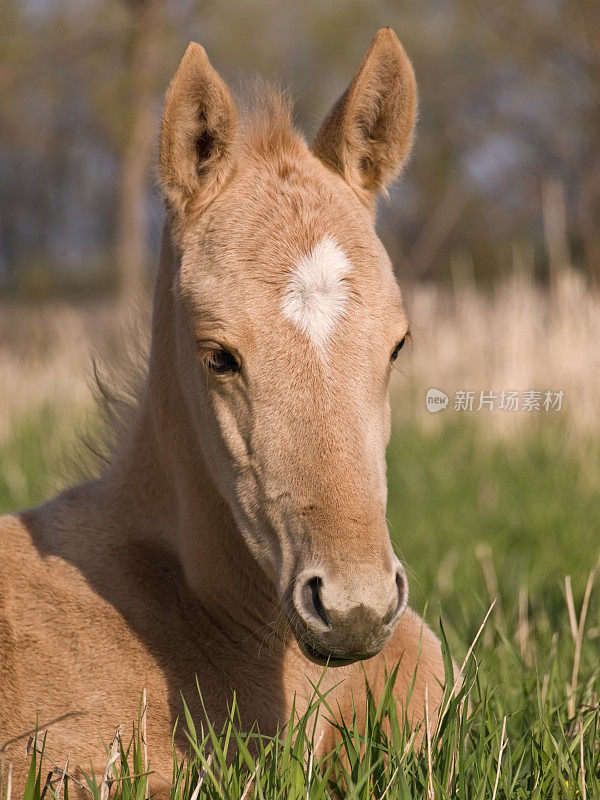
pixel 397 349
pixel 222 362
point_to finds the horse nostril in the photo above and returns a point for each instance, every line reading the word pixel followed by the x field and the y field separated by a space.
pixel 309 603
pixel 314 585
pixel 402 587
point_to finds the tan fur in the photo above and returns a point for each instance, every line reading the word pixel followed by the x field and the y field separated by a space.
pixel 183 558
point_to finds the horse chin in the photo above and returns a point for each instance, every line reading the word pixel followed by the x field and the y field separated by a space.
pixel 330 659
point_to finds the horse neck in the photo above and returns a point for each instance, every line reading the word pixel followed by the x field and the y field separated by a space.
pixel 171 497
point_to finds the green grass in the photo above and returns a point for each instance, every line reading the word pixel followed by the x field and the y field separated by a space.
pixel 39 458
pixel 530 507
pixel 466 516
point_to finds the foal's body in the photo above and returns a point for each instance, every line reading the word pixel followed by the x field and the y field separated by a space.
pixel 106 632
pixel 238 533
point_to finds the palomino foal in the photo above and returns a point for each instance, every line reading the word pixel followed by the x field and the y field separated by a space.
pixel 238 533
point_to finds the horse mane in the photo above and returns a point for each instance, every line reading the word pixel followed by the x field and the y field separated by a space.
pixel 267 123
pixel 117 383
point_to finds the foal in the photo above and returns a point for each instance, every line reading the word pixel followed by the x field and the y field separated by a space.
pixel 238 533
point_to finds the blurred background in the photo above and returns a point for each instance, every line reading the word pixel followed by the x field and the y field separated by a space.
pixel 493 230
pixel 509 129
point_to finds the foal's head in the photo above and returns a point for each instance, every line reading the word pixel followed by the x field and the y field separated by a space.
pixel 288 322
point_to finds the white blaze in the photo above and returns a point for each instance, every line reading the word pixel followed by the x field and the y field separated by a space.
pixel 317 292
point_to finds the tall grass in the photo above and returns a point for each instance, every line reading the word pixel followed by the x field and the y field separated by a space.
pixel 483 506
pixel 515 336
pixel 45 359
pixel 535 738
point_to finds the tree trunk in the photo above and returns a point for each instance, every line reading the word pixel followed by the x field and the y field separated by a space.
pixel 134 180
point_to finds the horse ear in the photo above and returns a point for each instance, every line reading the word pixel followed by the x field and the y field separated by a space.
pixel 368 133
pixel 198 135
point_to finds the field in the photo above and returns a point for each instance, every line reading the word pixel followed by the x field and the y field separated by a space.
pixel 483 506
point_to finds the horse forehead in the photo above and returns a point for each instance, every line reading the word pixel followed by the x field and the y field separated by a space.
pixel 315 288
pixel 303 255
pixel 317 291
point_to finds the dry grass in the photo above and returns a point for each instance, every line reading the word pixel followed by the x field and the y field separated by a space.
pixel 45 359
pixel 516 336
pixel 47 356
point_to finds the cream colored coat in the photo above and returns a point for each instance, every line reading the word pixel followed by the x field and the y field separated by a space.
pixel 190 555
